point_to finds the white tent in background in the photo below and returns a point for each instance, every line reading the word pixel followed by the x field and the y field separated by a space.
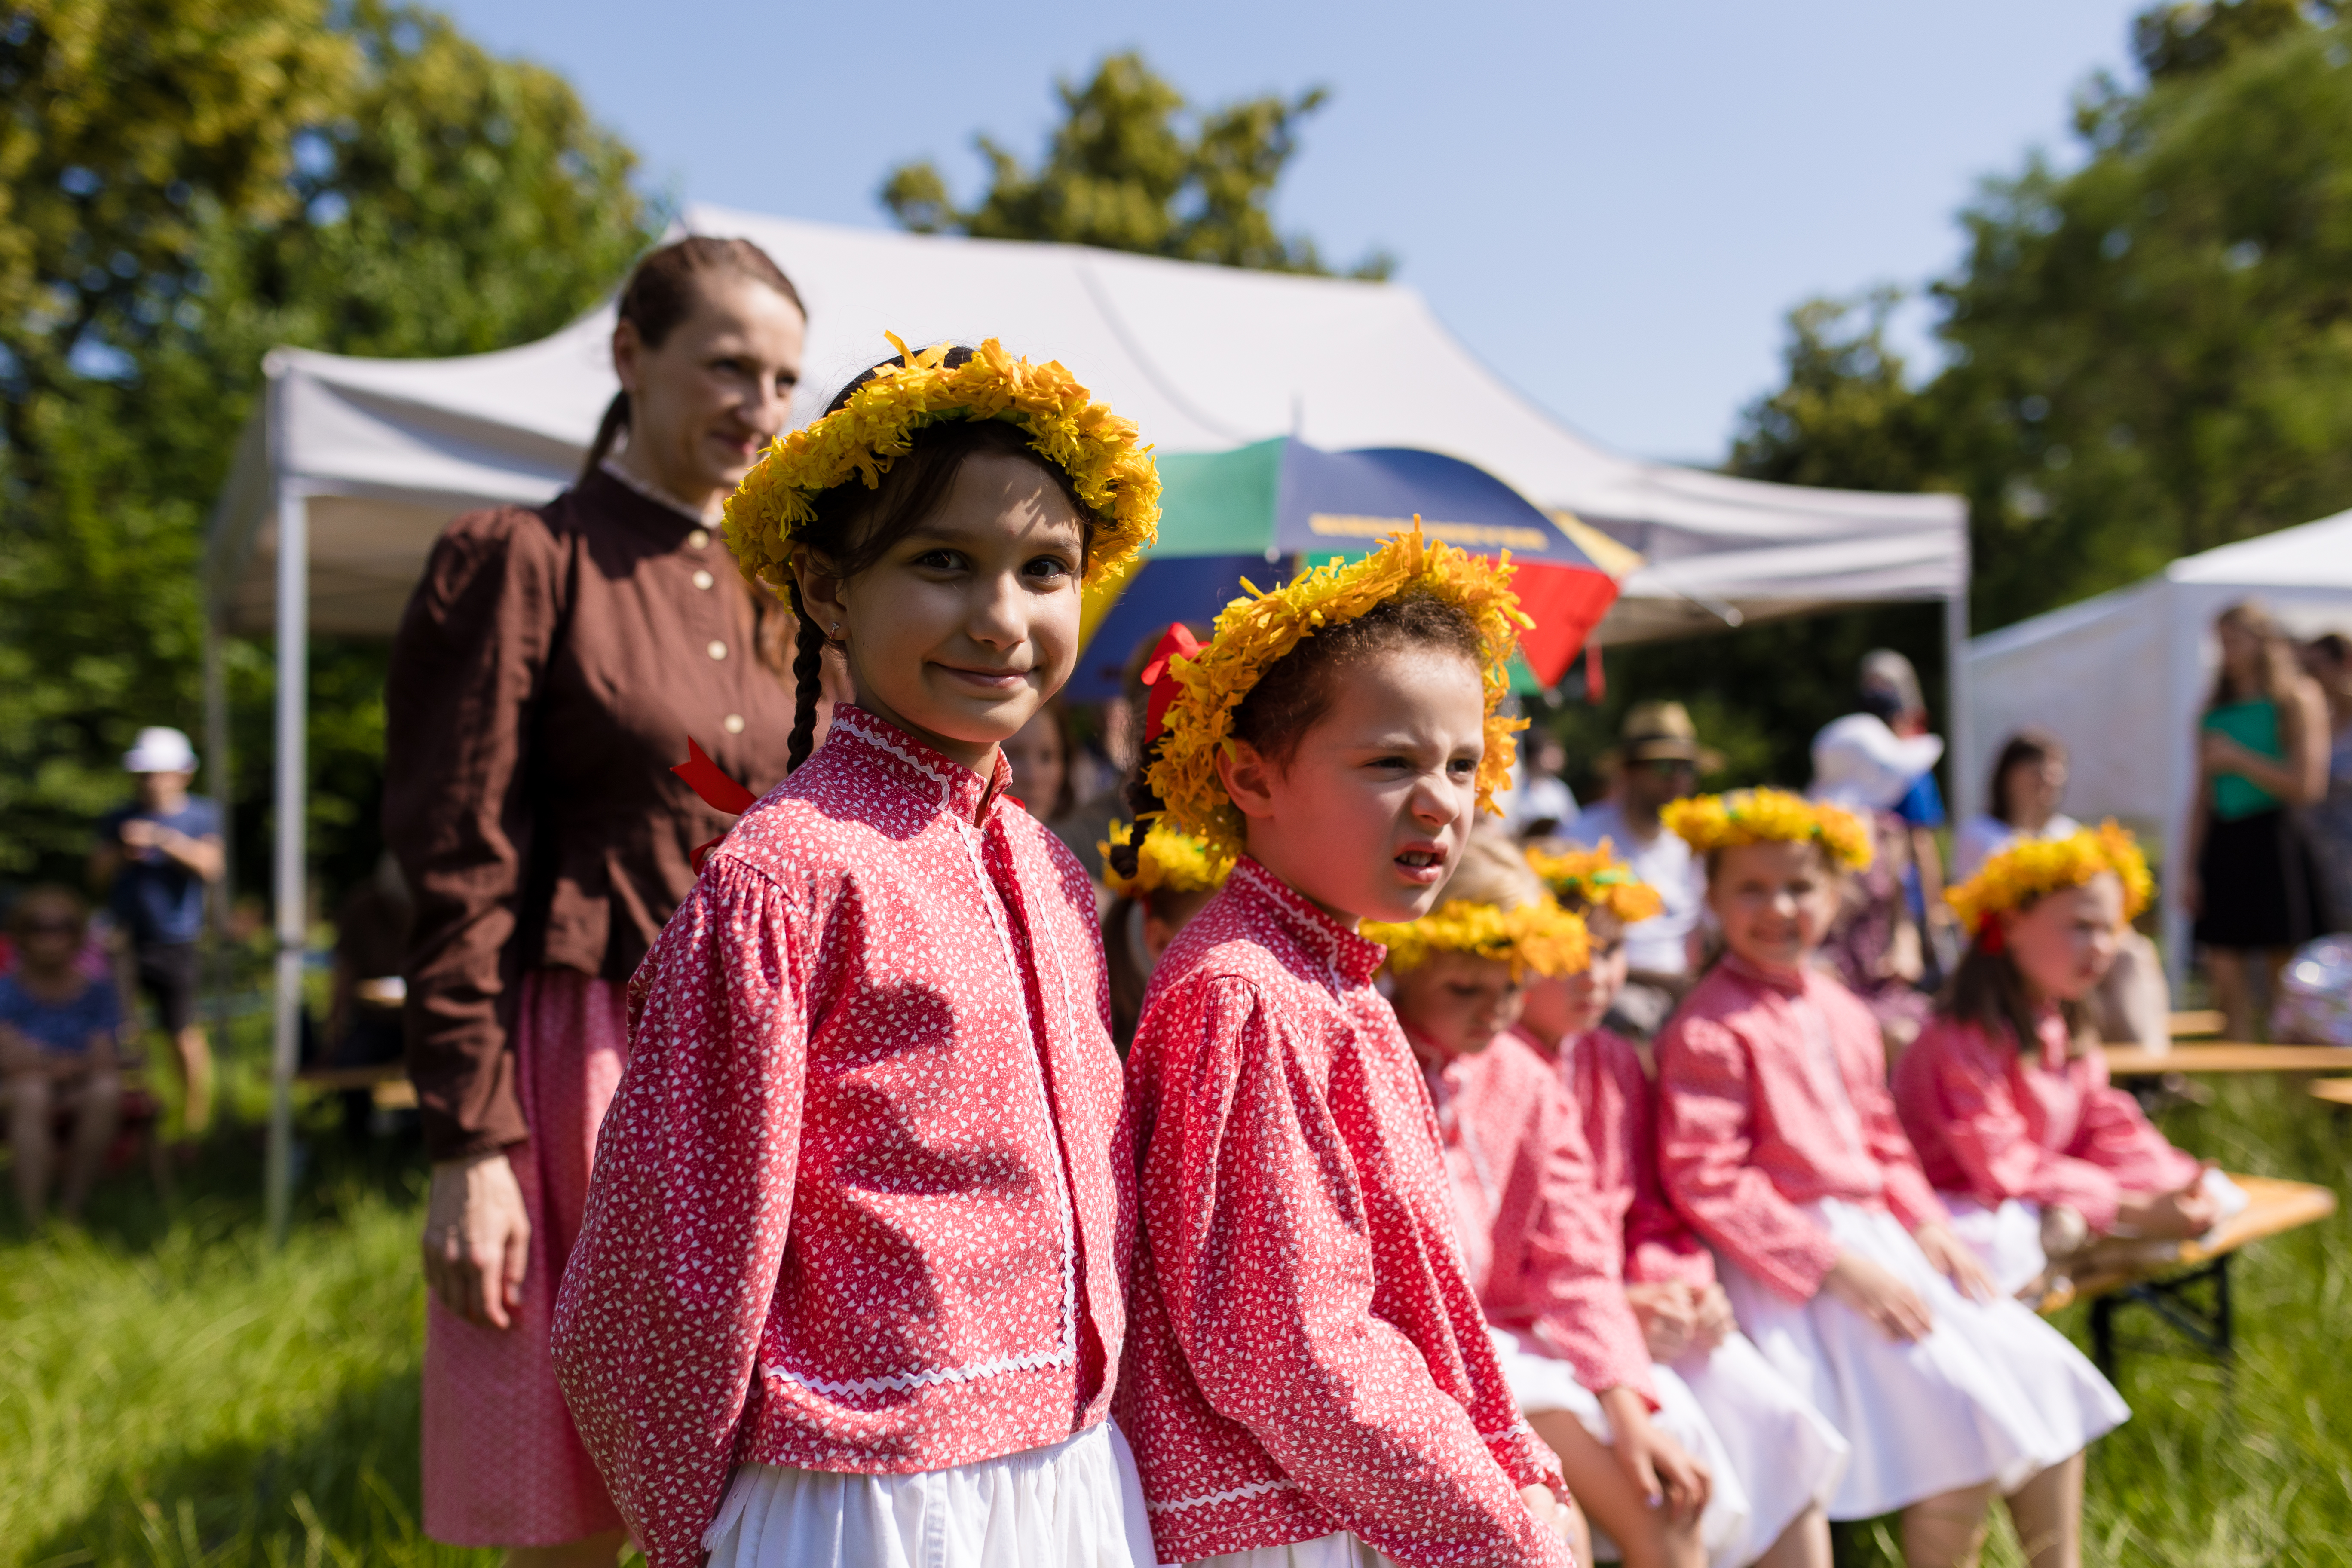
pixel 352 466
pixel 2121 678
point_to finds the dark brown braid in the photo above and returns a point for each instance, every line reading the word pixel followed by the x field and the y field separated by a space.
pixel 1143 808
pixel 808 678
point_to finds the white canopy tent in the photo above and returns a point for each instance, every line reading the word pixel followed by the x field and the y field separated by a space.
pixel 352 465
pixel 2122 677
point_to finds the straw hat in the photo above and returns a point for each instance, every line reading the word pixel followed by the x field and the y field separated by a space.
pixel 1659 732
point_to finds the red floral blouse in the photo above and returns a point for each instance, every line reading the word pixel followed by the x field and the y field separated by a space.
pixel 1616 1107
pixel 865 1197
pixel 1308 1356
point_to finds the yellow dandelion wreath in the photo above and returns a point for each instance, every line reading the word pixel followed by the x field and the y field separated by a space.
pixel 1252 633
pixel 1597 878
pixel 1540 936
pixel 1741 816
pixel 1168 861
pixel 1104 456
pixel 2033 866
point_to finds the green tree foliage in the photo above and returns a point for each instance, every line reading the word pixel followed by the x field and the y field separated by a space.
pixel 1131 169
pixel 415 196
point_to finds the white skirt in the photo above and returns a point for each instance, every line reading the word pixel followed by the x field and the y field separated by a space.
pixel 1770 1455
pixel 2008 1238
pixel 1339 1550
pixel 1075 1504
pixel 1992 1393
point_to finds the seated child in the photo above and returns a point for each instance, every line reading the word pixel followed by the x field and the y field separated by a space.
pixel 2005 1094
pixel 58 1027
pixel 1771 1445
pixel 1308 1380
pixel 1176 875
pixel 1779 1141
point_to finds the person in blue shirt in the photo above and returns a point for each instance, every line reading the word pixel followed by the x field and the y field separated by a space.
pixel 59 1029
pixel 155 858
pixel 1890 688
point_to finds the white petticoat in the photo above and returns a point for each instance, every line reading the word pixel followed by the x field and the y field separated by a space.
pixel 1074 1504
pixel 1769 1454
pixel 2008 1238
pixel 1339 1550
pixel 1993 1393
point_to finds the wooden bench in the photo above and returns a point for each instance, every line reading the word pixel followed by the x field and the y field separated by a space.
pixel 2227 1056
pixel 386 1083
pixel 2334 1091
pixel 2171 1280
pixel 2197 1021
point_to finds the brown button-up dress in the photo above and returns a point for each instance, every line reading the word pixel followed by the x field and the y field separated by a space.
pixel 545 676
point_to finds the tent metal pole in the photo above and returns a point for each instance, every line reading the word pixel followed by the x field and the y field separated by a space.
pixel 1960 727
pixel 292 800
pixel 216 779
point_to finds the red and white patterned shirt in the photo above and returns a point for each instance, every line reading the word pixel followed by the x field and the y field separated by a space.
pixel 1308 1356
pixel 1993 1123
pixel 864 1200
pixel 1541 1246
pixel 1772 1095
pixel 1616 1107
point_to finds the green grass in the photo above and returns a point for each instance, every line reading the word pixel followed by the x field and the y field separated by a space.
pixel 173 1393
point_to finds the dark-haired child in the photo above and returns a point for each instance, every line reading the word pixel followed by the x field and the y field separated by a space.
pixel 1175 876
pixel 863 1202
pixel 1779 1141
pixel 1309 1382
pixel 58 1044
pixel 2005 1094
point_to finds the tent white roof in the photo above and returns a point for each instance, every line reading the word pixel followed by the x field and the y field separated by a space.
pixel 1204 358
pixel 2122 677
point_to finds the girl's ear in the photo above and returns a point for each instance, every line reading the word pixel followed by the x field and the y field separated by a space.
pixel 1248 776
pixel 820 593
pixel 627 348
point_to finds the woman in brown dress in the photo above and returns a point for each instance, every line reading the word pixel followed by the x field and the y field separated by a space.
pixel 547 673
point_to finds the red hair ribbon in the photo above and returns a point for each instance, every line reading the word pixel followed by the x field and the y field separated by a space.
pixel 1990 941
pixel 1176 642
pixel 716 791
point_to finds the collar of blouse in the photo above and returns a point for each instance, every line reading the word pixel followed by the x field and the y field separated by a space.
pixel 1352 961
pixel 877 743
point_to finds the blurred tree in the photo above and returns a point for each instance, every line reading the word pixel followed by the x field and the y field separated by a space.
pixel 1123 172
pixel 416 196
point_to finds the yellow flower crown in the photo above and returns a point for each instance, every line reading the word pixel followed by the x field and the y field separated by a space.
pixel 1168 861
pixel 2032 866
pixel 1711 822
pixel 1540 936
pixel 1252 634
pixel 1597 880
pixel 1103 455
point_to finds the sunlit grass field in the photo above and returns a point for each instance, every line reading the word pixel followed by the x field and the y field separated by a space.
pixel 173 1393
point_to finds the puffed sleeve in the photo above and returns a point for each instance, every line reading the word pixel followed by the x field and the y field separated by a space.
pixel 1573 1292
pixel 670 1283
pixel 1705 1122
pixel 1255 1221
pixel 1978 1117
pixel 2116 1137
pixel 1909 1195
pixel 1659 1243
pixel 465 668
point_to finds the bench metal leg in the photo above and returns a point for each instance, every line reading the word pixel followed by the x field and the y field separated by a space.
pixel 2102 1336
pixel 2211 1329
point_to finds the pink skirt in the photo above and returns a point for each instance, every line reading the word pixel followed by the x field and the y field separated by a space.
pixel 502 1464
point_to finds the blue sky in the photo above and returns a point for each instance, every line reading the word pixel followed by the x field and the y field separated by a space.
pixel 1613 204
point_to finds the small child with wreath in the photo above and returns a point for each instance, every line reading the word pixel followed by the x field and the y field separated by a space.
pixel 1309 1383
pixel 2005 1093
pixel 848 1289
pixel 1175 876
pixel 1779 1141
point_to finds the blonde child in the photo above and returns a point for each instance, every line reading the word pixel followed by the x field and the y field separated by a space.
pixel 849 1289
pixel 1779 1141
pixel 1773 1452
pixel 2005 1094
pixel 1309 1382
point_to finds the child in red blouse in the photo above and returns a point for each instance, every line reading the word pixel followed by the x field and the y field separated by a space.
pixel 848 1290
pixel 1775 1460
pixel 1309 1382
pixel 2005 1093
pixel 1779 1141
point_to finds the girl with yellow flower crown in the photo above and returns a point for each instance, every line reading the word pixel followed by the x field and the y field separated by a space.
pixel 1175 876
pixel 848 1290
pixel 1309 1382
pixel 1778 1140
pixel 2005 1094
pixel 1775 1460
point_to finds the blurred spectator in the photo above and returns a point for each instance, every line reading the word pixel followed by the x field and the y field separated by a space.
pixel 1657 760
pixel 363 1016
pixel 2327 659
pixel 155 859
pixel 60 1031
pixel 1538 804
pixel 1044 757
pixel 2254 886
pixel 1890 691
pixel 1874 945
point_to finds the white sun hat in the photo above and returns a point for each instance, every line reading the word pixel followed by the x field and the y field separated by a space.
pixel 1858 762
pixel 160 749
